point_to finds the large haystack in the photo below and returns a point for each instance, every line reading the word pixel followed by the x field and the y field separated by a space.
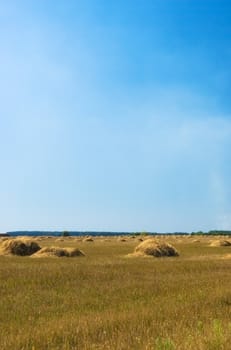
pixel 21 247
pixel 58 252
pixel 220 243
pixel 151 247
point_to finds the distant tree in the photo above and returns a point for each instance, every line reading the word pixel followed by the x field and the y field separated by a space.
pixel 144 233
pixel 198 233
pixel 65 234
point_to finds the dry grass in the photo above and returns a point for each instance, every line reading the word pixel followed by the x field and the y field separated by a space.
pixel 220 243
pixel 106 301
pixel 226 256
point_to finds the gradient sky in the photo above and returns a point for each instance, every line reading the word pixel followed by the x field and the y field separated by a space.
pixel 115 115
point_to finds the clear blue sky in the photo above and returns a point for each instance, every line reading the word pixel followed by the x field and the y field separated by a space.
pixel 115 115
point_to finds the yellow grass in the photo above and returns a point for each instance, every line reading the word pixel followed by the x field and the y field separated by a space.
pixel 106 301
pixel 220 243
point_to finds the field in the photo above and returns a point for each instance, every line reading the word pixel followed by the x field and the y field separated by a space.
pixel 107 300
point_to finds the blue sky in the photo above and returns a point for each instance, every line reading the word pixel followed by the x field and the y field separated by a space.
pixel 115 115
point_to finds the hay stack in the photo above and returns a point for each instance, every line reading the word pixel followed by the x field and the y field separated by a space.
pixel 2 239
pixel 152 247
pixel 220 243
pixel 59 240
pixel 88 239
pixel 21 247
pixel 58 252
pixel 121 239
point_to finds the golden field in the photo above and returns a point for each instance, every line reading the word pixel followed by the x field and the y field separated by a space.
pixel 110 300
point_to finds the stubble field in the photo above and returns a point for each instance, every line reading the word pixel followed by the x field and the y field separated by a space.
pixel 107 300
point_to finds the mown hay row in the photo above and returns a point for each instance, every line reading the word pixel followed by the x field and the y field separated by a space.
pixel 58 252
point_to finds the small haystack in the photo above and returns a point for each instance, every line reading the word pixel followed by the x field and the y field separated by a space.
pixel 88 239
pixel 220 243
pixel 58 252
pixel 152 247
pixel 59 240
pixel 195 241
pixel 122 239
pixel 21 247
